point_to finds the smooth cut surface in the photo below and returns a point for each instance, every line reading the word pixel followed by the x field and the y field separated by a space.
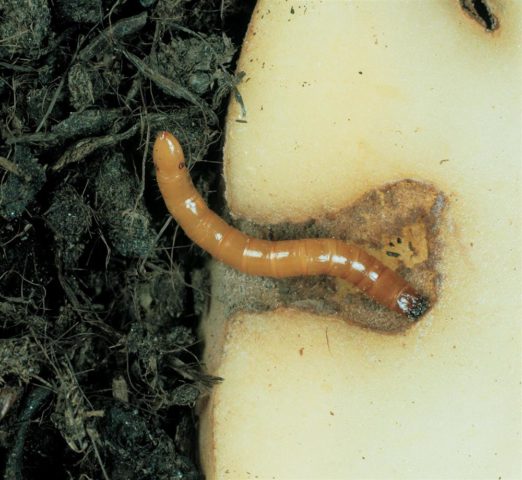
pixel 309 397
pixel 342 97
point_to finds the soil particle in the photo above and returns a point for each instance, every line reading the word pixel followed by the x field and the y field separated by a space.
pixel 70 218
pixel 81 11
pixel 21 184
pixel 120 211
pixel 129 434
pixel 24 27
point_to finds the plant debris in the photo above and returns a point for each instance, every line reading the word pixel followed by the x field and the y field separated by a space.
pixel 99 359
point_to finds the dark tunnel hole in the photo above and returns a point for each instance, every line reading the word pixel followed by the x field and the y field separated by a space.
pixel 480 10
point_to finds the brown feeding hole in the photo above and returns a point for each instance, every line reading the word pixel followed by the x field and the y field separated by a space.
pixel 397 223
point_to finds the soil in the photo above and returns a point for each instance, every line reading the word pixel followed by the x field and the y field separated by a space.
pixel 99 357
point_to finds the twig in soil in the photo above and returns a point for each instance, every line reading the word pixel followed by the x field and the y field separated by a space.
pixel 193 373
pixel 52 103
pixel 77 124
pixel 86 146
pixel 8 397
pixel 168 86
pixel 13 468
pixel 93 436
pixel 17 68
pixel 13 168
pixel 114 33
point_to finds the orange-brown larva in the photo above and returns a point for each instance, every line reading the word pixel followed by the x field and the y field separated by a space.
pixel 288 258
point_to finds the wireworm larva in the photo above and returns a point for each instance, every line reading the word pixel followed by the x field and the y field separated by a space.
pixel 287 258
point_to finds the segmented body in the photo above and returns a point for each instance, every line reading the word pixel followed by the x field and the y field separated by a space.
pixel 288 258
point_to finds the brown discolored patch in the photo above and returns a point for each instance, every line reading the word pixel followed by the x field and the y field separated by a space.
pixel 397 223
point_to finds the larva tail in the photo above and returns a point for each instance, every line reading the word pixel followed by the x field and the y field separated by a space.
pixel 412 304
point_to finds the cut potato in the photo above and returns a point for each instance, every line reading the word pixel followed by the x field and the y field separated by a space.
pixel 341 98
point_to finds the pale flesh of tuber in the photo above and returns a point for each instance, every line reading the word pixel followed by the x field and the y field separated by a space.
pixel 341 98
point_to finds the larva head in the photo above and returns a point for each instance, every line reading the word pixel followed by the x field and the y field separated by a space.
pixel 168 155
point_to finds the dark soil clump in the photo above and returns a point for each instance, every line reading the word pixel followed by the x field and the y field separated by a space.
pixel 99 369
